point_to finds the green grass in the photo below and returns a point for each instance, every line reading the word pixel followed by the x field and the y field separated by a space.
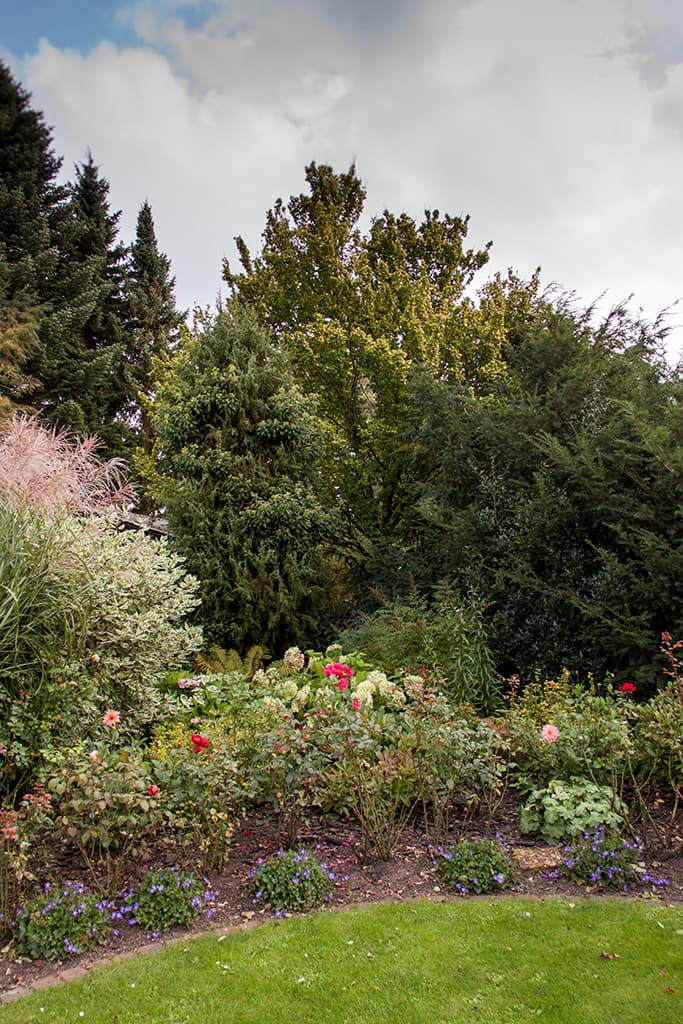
pixel 505 961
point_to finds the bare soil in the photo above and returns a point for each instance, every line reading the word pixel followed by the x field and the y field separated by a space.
pixel 409 875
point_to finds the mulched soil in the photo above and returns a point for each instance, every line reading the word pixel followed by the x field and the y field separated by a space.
pixel 409 875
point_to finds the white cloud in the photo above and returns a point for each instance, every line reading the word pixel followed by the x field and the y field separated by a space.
pixel 554 123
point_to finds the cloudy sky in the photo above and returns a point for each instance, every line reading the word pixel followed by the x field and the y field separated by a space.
pixel 557 125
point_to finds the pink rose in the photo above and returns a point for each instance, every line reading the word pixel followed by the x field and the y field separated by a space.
pixel 549 733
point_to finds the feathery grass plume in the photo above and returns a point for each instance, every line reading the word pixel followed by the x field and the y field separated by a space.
pixel 51 469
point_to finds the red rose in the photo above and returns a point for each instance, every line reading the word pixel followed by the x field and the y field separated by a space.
pixel 199 742
pixel 153 790
pixel 627 688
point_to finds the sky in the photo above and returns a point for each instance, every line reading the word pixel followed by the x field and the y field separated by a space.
pixel 556 125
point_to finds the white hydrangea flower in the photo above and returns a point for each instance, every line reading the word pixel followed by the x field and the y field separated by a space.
pixel 271 703
pixel 378 680
pixel 324 695
pixel 294 659
pixel 287 689
pixel 394 696
pixel 301 698
pixel 259 678
pixel 391 694
pixel 363 694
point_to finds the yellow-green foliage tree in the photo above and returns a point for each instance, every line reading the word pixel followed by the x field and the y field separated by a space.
pixel 356 311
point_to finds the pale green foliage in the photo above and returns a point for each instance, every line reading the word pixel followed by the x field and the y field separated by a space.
pixel 569 807
pixel 356 311
pixel 74 592
pixel 138 598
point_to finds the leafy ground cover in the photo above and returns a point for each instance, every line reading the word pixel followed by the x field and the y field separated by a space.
pixel 502 961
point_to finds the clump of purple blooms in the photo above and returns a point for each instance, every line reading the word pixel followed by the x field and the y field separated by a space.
pixel 474 867
pixel 605 861
pixel 168 897
pixel 60 922
pixel 291 881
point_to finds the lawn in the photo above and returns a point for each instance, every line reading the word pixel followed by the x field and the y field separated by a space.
pixel 503 961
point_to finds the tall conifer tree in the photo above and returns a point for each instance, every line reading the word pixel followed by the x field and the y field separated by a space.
pixel 107 393
pixel 238 449
pixel 30 205
pixel 154 317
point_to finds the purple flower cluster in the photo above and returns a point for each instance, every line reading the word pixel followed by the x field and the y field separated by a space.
pixel 292 881
pixel 474 867
pixel 68 920
pixel 604 861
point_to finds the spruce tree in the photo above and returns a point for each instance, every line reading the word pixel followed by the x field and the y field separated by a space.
pixel 154 317
pixel 84 379
pixel 238 456
pixel 107 396
pixel 31 204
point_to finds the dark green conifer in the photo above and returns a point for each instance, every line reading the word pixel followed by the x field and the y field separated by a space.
pixel 30 204
pixel 238 449
pixel 154 317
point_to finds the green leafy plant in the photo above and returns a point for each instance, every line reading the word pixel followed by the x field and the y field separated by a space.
pixel 60 922
pixel 89 616
pixel 540 700
pixel 378 785
pixel 657 730
pixel 475 867
pixel 461 764
pixel 589 738
pixel 287 769
pixel 446 636
pixel 168 897
pixel 43 625
pixel 202 791
pixel 600 858
pixel 565 808
pixel 104 803
pixel 291 881
pixel 140 597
